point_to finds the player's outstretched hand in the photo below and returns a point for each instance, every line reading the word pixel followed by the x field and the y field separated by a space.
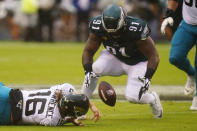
pixel 73 120
pixel 96 114
pixel 76 122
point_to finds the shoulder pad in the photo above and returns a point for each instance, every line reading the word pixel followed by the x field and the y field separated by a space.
pixel 95 25
pixel 138 28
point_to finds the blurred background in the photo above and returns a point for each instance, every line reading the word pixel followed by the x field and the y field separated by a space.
pixel 41 43
pixel 67 20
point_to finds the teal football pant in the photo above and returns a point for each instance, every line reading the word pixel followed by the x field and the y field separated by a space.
pixel 183 40
pixel 5 107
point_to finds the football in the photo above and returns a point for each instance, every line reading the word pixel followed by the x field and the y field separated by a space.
pixel 107 93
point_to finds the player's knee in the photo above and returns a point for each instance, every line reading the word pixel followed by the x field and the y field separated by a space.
pixel 174 61
pixel 97 69
pixel 132 99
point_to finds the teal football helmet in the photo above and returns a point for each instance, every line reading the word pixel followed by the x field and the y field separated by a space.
pixel 113 18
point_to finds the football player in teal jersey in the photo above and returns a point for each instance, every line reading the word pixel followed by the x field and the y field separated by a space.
pixel 182 42
pixel 128 50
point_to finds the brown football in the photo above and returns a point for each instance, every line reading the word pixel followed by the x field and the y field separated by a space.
pixel 107 93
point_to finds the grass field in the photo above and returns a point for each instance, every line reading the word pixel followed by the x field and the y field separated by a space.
pixel 46 64
pixel 129 117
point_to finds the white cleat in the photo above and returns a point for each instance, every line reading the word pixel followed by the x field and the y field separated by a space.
pixel 190 86
pixel 156 106
pixel 194 104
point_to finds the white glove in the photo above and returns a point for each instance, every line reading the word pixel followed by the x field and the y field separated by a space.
pixel 166 21
pixel 145 87
pixel 88 77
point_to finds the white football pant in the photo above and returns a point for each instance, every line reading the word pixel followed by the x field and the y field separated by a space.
pixel 109 65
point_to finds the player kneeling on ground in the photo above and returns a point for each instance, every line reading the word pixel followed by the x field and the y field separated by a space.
pixel 50 107
pixel 129 50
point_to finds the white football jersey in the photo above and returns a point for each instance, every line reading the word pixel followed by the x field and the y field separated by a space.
pixel 40 106
pixel 190 11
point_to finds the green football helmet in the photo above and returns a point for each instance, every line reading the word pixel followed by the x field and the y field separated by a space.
pixel 75 105
pixel 113 18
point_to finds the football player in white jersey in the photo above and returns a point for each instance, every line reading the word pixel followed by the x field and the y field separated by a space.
pixel 50 107
pixel 182 42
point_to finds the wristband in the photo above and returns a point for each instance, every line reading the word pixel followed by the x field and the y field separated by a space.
pixel 169 13
pixel 88 67
pixel 149 73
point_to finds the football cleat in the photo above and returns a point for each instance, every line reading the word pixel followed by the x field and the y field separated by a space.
pixel 190 86
pixel 156 106
pixel 194 104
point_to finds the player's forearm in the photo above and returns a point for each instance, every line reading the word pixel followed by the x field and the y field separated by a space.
pixel 96 112
pixel 149 50
pixel 92 45
pixel 88 54
pixel 153 62
pixel 147 47
pixel 152 66
pixel 87 61
pixel 87 58
pixel 92 105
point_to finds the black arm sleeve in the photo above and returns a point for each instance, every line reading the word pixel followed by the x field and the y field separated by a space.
pixel 149 73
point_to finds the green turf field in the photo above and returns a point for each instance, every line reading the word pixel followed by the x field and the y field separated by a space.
pixel 129 117
pixel 36 63
pixel 46 64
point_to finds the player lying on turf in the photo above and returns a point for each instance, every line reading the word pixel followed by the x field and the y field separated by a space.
pixel 50 107
pixel 129 50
